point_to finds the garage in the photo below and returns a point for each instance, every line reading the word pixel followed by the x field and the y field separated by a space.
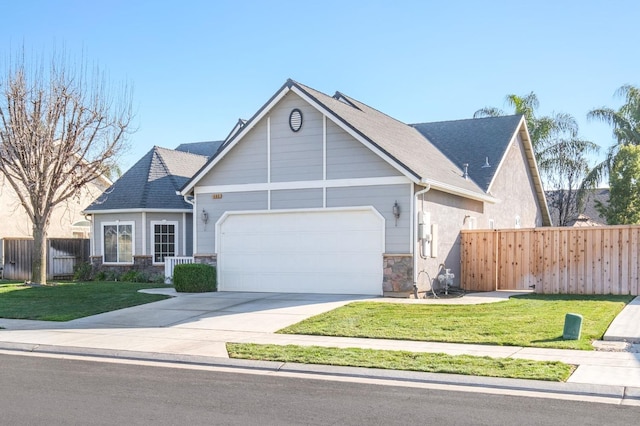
pixel 301 251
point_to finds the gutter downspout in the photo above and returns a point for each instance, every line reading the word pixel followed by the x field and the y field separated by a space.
pixel 194 241
pixel 416 247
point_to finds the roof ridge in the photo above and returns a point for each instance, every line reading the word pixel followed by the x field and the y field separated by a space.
pixel 154 154
pixel 351 99
pixel 465 119
pixel 166 166
pixel 178 152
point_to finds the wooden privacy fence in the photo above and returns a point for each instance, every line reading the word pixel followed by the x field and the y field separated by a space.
pixel 581 260
pixel 63 254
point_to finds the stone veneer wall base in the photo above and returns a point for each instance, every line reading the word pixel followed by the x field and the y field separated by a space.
pixel 397 274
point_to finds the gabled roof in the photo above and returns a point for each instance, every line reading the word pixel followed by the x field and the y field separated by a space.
pixel 400 142
pixel 479 142
pixel 208 149
pixel 435 160
pixel 402 145
pixel 151 183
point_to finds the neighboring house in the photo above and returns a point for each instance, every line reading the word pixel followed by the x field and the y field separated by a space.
pixel 67 219
pixel 589 215
pixel 325 194
pixel 141 219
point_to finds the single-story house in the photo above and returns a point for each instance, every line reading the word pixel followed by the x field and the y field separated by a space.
pixel 140 219
pixel 325 194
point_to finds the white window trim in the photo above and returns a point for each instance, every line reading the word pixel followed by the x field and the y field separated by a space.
pixel 153 236
pixel 133 239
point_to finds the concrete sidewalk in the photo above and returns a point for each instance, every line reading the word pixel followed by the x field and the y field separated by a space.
pixel 200 325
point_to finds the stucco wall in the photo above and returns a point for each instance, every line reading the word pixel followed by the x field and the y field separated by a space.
pixel 514 187
pixel 450 213
pixel 16 224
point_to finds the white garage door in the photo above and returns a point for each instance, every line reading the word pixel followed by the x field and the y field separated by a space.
pixel 316 251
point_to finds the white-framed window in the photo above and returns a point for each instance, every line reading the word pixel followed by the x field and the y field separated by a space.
pixel 118 242
pixel 165 240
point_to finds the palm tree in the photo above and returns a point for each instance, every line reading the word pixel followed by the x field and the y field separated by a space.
pixel 561 155
pixel 543 130
pixel 626 129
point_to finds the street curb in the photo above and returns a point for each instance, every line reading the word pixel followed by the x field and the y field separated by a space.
pixel 577 389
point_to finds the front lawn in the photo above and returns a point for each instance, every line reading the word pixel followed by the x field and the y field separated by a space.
pixel 402 360
pixel 530 320
pixel 67 301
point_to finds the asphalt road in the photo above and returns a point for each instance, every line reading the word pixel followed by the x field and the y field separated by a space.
pixel 39 391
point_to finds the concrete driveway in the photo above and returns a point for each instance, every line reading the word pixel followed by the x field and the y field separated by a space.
pixel 185 325
pixel 222 311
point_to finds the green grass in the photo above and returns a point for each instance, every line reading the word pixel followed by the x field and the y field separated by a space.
pixel 67 301
pixel 531 320
pixel 402 360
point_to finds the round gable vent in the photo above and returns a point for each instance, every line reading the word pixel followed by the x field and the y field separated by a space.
pixel 295 120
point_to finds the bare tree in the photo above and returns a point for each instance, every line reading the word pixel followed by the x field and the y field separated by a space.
pixel 60 128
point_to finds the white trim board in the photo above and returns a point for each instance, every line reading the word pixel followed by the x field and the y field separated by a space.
pixel 137 211
pixel 309 184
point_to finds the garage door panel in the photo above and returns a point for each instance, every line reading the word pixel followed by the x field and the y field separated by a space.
pixel 323 251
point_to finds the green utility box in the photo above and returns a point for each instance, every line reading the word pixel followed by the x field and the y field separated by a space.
pixel 572 327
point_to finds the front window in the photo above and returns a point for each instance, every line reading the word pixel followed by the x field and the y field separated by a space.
pixel 164 241
pixel 118 242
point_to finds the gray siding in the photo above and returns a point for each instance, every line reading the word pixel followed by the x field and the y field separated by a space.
pixel 296 199
pixel 99 219
pixel 382 198
pixel 231 201
pixel 189 227
pixel 348 158
pixel 245 163
pixel 296 156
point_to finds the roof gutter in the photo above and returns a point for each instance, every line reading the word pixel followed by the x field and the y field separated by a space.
pixel 458 191
pixel 187 198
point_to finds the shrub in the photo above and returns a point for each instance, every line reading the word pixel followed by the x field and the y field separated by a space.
pixel 194 278
pixel 130 276
pixel 82 271
pixel 112 276
pixel 157 279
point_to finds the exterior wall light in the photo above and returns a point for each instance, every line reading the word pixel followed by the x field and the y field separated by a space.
pixel 396 211
pixel 204 216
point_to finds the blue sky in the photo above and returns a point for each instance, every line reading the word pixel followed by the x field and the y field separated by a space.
pixel 198 66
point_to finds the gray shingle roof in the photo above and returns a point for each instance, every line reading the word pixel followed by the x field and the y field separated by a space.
pixel 208 149
pixel 152 182
pixel 400 141
pixel 438 162
pixel 473 142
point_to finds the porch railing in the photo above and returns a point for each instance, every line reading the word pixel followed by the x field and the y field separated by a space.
pixel 170 263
